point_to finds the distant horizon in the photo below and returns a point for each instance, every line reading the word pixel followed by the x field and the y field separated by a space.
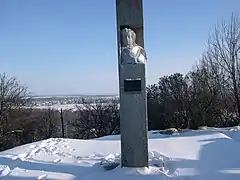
pixel 62 95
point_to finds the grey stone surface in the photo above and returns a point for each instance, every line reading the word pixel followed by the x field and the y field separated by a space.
pixel 132 61
pixel 133 119
pixel 130 12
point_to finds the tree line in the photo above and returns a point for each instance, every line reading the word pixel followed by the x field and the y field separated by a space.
pixel 209 95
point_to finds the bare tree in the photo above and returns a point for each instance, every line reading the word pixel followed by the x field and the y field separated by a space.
pixel 223 54
pixel 98 119
pixel 13 96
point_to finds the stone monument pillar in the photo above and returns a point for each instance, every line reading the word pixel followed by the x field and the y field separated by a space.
pixel 132 83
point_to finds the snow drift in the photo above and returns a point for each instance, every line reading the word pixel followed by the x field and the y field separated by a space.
pixel 210 154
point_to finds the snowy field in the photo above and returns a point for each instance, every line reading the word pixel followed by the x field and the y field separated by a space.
pixel 209 154
pixel 71 107
pixel 67 102
pixel 58 107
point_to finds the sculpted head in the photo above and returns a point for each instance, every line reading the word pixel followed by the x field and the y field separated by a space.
pixel 128 37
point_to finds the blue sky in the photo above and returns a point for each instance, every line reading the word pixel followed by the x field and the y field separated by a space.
pixel 69 47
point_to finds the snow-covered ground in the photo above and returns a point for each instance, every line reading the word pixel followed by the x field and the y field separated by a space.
pixel 68 102
pixel 58 107
pixel 71 107
pixel 209 154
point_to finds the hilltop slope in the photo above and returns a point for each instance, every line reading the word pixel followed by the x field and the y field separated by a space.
pixel 211 154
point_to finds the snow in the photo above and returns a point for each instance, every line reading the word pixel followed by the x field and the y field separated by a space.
pixel 71 107
pixel 58 107
pixel 68 102
pixel 208 154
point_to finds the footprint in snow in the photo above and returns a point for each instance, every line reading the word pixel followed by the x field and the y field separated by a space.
pixel 66 146
pixel 4 170
pixel 22 156
pixel 52 148
pixel 57 160
pixel 83 162
pixel 55 152
pixel 42 177
pixel 35 151
pixel 33 146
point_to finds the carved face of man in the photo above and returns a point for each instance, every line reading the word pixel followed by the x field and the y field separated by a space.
pixel 128 37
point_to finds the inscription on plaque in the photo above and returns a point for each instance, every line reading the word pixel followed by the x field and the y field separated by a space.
pixel 132 85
